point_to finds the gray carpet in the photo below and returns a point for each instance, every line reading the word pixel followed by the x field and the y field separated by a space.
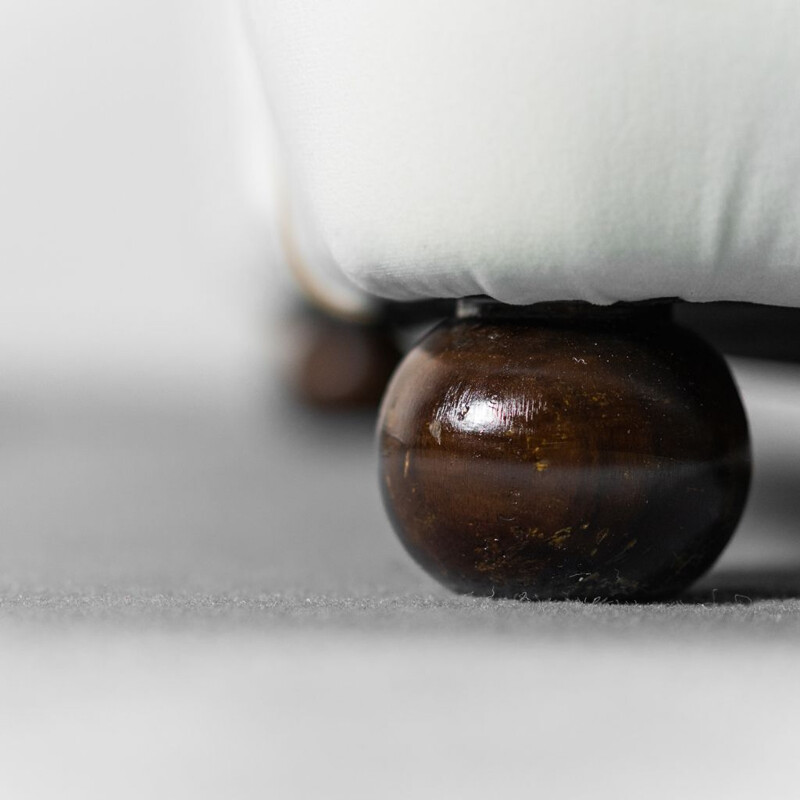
pixel 200 597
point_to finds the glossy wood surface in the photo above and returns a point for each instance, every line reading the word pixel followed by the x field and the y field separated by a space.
pixel 565 455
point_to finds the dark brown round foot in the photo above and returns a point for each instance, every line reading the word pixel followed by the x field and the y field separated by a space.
pixel 573 452
pixel 341 364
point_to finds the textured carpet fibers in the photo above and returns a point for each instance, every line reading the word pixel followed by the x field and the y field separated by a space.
pixel 201 597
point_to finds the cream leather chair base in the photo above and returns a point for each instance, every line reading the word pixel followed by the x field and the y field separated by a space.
pixel 563 152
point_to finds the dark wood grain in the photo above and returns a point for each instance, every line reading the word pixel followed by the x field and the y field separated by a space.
pixel 573 453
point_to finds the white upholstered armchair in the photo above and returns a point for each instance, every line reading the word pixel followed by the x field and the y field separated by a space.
pixel 565 171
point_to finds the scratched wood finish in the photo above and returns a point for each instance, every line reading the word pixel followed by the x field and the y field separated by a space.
pixel 573 455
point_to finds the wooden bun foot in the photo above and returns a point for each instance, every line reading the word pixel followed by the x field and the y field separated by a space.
pixel 342 365
pixel 564 451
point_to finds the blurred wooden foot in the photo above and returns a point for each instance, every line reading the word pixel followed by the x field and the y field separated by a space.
pixel 340 364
